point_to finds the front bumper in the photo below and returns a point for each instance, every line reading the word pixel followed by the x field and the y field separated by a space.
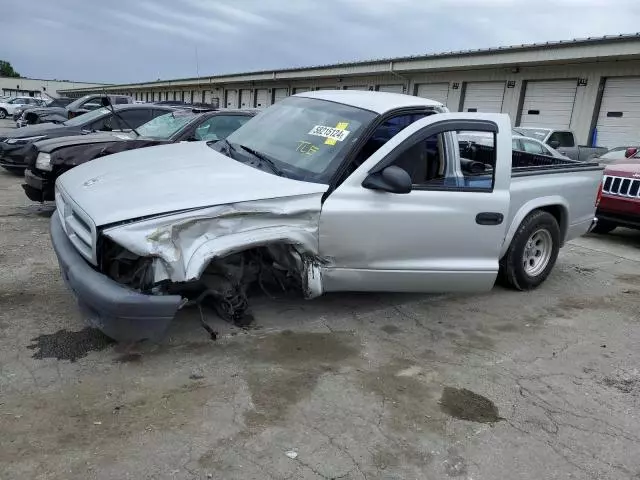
pixel 622 219
pixel 38 188
pixel 119 312
pixel 14 156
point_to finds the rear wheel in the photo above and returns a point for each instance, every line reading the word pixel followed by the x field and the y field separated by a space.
pixel 533 251
pixel 604 226
pixel 3 113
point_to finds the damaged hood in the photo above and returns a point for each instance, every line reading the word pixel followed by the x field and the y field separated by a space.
pixel 170 178
pixel 49 145
pixel 40 129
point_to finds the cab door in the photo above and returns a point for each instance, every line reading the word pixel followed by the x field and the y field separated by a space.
pixel 446 233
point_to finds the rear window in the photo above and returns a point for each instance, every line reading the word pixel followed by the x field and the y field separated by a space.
pixel 565 139
pixel 86 118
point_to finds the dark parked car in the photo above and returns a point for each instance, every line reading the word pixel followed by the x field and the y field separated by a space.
pixel 49 159
pixel 77 107
pixel 21 114
pixel 14 146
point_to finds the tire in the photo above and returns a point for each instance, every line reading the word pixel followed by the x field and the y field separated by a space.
pixel 536 243
pixel 3 113
pixel 603 227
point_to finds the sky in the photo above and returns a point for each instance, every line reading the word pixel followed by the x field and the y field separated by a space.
pixel 126 41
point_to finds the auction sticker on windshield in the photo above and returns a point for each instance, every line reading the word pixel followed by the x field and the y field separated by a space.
pixel 330 133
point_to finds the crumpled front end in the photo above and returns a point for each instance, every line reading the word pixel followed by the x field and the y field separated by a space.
pixel 216 255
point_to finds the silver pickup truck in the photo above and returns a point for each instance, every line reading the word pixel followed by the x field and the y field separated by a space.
pixel 564 141
pixel 323 191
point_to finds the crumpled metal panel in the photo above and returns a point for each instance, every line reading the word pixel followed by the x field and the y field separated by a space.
pixel 186 242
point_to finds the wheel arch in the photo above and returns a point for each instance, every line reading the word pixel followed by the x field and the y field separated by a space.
pixel 554 205
pixel 309 266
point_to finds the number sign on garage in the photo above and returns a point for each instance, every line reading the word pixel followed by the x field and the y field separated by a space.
pixel 548 104
pixel 483 97
pixel 618 121
pixel 438 92
pixel 232 98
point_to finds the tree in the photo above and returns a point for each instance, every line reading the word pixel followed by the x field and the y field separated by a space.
pixel 6 70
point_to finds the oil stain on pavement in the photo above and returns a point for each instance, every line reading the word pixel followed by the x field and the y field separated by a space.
pixel 290 366
pixel 66 345
pixel 467 405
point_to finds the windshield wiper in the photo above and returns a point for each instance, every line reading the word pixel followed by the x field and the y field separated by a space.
pixel 264 159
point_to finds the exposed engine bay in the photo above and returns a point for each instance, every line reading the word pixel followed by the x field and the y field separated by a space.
pixel 226 283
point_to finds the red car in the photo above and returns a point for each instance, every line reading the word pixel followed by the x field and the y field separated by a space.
pixel 620 202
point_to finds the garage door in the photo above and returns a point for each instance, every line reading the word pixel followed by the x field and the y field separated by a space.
pixel 279 94
pixel 548 104
pixel 398 88
pixel 300 90
pixel 356 87
pixel 232 98
pixel 245 98
pixel 619 117
pixel 434 91
pixel 262 98
pixel 327 88
pixel 483 97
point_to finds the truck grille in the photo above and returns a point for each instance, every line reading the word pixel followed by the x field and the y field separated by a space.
pixel 77 225
pixel 621 186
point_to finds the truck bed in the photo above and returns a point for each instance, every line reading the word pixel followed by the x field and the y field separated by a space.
pixel 548 181
pixel 523 163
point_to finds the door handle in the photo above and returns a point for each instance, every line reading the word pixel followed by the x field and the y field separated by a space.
pixel 489 218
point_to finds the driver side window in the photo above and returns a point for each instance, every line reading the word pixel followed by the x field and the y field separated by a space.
pixel 381 135
pixel 431 165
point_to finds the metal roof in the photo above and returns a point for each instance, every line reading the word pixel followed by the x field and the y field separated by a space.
pixel 379 102
pixel 453 53
pixel 390 60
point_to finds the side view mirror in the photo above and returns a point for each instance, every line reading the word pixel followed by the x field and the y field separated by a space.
pixel 630 152
pixel 392 179
pixel 105 101
pixel 554 144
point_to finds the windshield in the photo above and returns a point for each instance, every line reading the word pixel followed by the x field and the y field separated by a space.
pixel 81 120
pixel 532 133
pixel 305 138
pixel 165 126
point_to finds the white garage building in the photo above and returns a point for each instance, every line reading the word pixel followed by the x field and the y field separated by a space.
pixel 591 86
pixel 36 87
